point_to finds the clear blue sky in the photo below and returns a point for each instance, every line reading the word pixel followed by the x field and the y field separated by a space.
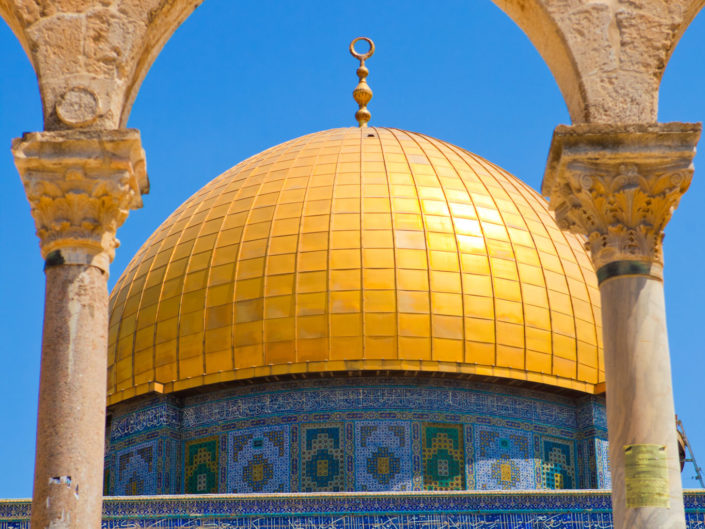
pixel 239 77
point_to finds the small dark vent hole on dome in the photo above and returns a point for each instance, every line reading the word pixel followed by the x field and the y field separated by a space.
pixel 370 135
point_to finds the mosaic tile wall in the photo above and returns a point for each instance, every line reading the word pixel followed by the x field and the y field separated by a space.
pixel 505 459
pixel 477 510
pixel 384 460
pixel 357 434
pixel 145 449
pixel 259 459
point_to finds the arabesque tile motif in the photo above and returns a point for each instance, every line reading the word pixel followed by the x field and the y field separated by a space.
pixel 356 434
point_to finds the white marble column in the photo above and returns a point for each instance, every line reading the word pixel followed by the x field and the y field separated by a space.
pixel 618 185
pixel 639 389
pixel 81 186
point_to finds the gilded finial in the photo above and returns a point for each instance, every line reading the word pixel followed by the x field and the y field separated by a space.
pixel 362 93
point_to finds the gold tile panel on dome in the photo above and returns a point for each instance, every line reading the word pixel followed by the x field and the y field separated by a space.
pixel 352 250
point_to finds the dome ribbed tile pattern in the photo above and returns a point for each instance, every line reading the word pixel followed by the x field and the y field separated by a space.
pixel 357 249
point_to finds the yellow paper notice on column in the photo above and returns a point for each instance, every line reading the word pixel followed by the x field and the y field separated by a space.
pixel 646 476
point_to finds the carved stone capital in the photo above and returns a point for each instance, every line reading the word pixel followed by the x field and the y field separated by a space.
pixel 618 185
pixel 81 186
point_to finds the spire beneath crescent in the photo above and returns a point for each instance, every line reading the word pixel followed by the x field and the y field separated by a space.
pixel 362 93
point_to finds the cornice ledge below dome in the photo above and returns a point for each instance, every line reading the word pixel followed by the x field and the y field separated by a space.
pixel 508 376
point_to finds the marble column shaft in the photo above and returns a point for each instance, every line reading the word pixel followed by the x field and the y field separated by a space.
pixel 81 186
pixel 639 393
pixel 68 471
pixel 618 185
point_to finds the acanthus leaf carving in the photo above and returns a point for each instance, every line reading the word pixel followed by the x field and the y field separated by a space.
pixel 619 185
pixel 81 187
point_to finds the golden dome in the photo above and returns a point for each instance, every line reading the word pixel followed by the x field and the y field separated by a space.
pixel 357 249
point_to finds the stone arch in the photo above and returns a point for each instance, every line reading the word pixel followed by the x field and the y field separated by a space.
pixel 688 54
pixel 10 15
pixel 90 57
pixel 607 56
